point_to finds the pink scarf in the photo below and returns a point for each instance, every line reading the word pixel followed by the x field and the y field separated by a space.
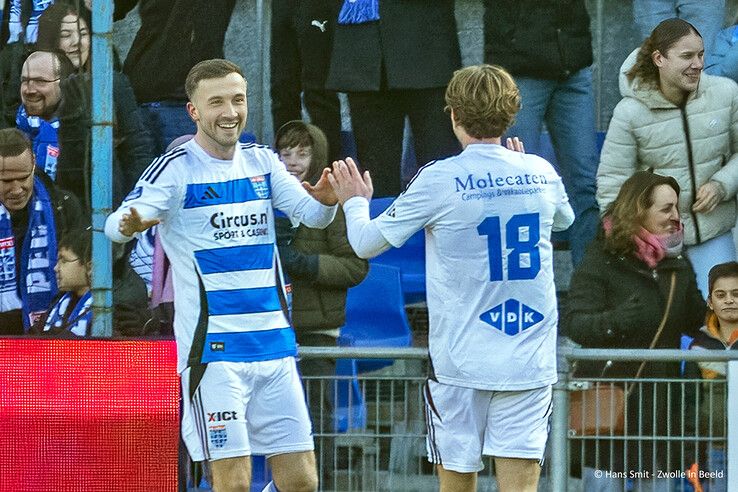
pixel 652 248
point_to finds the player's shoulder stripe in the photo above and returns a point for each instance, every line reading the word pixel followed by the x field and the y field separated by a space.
pixel 423 168
pixel 152 168
pixel 157 167
pixel 253 145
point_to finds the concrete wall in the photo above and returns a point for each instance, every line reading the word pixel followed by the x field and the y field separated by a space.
pixel 247 44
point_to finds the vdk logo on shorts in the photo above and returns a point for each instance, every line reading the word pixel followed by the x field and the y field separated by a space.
pixel 511 317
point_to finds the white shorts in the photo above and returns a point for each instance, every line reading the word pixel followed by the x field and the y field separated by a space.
pixel 465 423
pixel 244 408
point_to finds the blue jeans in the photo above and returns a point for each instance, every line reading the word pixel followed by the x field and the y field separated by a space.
pixel 166 121
pixel 567 109
pixel 705 15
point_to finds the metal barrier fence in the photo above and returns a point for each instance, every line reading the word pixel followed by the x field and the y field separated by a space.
pixel 370 426
pixel 675 431
pixel 381 444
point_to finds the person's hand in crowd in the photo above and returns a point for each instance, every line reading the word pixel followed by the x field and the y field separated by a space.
pixel 515 144
pixel 322 190
pixel 708 197
pixel 348 182
pixel 132 223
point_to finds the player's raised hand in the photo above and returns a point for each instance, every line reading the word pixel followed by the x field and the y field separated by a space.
pixel 515 144
pixel 322 191
pixel 132 223
pixel 348 182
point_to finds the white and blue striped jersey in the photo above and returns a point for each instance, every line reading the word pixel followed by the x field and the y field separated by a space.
pixel 488 214
pixel 217 229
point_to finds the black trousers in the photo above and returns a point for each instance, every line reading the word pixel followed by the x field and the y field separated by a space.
pixel 378 120
pixel 302 36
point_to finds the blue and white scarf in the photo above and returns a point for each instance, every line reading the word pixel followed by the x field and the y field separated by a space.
pixel 15 20
pixel 36 287
pixel 358 11
pixel 79 320
pixel 45 137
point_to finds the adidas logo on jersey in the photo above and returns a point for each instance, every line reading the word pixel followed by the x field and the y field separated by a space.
pixel 210 194
pixel 511 317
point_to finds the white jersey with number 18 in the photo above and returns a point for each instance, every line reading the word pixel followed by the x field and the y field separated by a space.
pixel 488 214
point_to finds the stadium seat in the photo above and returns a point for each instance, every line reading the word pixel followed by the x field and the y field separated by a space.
pixel 410 258
pixel 375 317
pixel 375 312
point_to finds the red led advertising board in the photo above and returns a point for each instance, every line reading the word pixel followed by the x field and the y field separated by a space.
pixel 88 415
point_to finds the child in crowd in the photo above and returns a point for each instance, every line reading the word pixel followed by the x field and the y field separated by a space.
pixel 321 266
pixel 71 313
pixel 719 333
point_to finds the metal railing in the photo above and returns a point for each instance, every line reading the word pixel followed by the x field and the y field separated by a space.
pixel 373 439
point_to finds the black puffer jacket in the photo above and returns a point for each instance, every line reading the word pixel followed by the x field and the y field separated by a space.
pixel 618 302
pixel 174 36
pixel 595 315
pixel 546 39
pixel 67 217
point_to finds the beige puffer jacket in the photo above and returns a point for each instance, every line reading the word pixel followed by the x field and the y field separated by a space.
pixel 694 145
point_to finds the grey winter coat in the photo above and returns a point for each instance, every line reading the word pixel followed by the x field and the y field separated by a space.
pixel 694 144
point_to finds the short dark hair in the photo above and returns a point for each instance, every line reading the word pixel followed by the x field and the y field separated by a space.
pixel 209 69
pixel 13 142
pixel 721 270
pixel 293 134
pixel 297 133
pixel 79 242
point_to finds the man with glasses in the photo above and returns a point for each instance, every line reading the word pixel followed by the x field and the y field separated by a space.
pixel 33 215
pixel 40 96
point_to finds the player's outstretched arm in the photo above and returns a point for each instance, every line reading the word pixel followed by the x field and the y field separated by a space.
pixel 122 225
pixel 132 223
pixel 354 191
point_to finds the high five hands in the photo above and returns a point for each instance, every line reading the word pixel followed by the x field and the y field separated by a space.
pixel 348 182
pixel 322 190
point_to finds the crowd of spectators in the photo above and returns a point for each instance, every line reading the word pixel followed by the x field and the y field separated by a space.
pixel 678 118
